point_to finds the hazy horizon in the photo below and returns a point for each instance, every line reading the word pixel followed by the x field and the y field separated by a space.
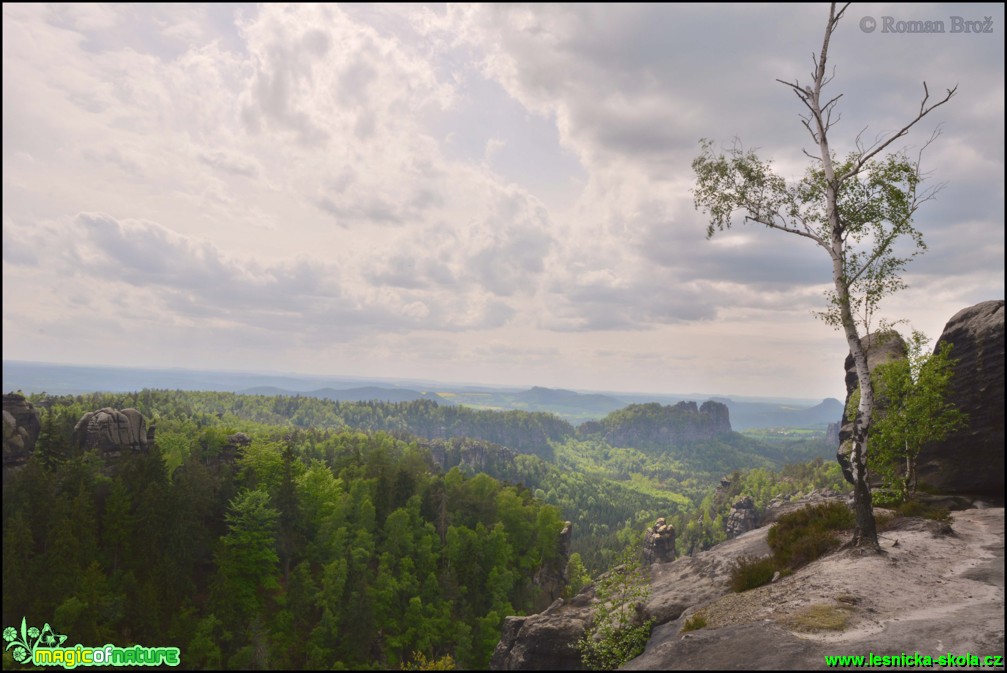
pixel 496 194
pixel 347 382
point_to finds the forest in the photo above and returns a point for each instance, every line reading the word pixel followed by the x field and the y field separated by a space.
pixel 296 532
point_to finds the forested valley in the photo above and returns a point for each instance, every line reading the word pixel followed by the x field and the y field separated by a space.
pixel 297 532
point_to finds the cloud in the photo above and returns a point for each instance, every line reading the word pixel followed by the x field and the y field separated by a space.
pixel 355 179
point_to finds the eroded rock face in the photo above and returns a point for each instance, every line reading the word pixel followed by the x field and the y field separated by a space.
pixel 972 460
pixel 659 543
pixel 21 428
pixel 111 431
pixel 881 348
pixel 546 641
pixel 742 518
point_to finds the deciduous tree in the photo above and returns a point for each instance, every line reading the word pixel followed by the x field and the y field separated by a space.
pixel 917 411
pixel 858 210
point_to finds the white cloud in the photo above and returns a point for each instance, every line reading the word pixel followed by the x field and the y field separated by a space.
pixel 508 184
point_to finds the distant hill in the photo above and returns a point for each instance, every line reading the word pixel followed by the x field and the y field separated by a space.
pixel 747 415
pixel 554 397
pixel 571 406
pixel 365 394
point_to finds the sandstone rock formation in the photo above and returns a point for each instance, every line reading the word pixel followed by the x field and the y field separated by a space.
pixel 546 641
pixel 111 431
pixel 21 428
pixel 881 347
pixel 654 426
pixel 742 518
pixel 972 460
pixel 832 435
pixel 659 543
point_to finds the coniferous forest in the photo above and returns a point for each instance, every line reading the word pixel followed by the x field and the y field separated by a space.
pixel 295 532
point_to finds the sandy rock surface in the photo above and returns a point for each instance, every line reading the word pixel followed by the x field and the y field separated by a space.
pixel 929 592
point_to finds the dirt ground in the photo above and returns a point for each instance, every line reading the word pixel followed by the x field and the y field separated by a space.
pixel 929 592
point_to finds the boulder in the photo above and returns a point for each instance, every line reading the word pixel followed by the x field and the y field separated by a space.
pixel 21 428
pixel 111 431
pixel 971 461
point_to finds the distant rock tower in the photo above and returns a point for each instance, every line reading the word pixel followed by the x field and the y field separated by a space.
pixel 742 518
pixel 21 428
pixel 659 543
pixel 112 432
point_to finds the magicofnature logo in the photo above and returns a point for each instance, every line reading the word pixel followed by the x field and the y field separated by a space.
pixel 44 647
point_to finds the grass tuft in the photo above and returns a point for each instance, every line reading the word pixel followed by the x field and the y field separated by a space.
pixel 694 623
pixel 819 618
pixel 750 572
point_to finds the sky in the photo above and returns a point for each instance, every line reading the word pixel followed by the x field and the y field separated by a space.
pixel 491 194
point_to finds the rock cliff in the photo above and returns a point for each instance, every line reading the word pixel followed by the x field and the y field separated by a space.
pixel 654 426
pixel 972 460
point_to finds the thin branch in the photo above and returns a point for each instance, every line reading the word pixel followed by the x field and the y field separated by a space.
pixel 790 230
pixel 877 148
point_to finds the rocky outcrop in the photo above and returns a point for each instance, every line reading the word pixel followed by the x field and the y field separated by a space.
pixel 742 518
pixel 972 460
pixel 111 432
pixel 653 426
pixel 21 428
pixel 659 543
pixel 548 640
pixel 943 590
pixel 881 347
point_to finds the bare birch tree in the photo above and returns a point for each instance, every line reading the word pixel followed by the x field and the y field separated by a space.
pixel 856 209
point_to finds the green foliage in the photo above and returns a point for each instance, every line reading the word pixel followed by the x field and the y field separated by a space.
pixel 311 549
pixel 577 576
pixel 914 391
pixel 801 537
pixel 421 663
pixel 750 572
pixel 333 547
pixel 875 202
pixel 617 634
